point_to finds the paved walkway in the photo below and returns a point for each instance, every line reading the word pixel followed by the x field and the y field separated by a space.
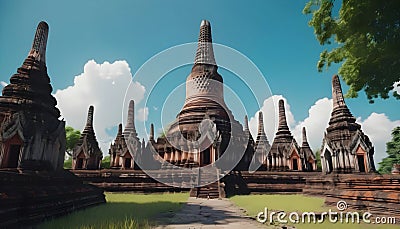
pixel 205 214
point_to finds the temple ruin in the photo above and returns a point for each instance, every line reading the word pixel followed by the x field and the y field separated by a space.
pixel 345 148
pixel 205 128
pixel 285 153
pixel 31 134
pixel 122 156
pixel 262 146
pixel 33 184
pixel 87 153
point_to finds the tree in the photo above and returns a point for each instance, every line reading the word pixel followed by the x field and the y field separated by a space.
pixel 105 163
pixel 72 138
pixel 393 152
pixel 318 157
pixel 367 34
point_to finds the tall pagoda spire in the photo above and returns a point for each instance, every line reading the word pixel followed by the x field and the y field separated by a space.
pixel 340 114
pixel 260 124
pixel 261 136
pixel 119 130
pixel 282 116
pixel 205 52
pixel 89 120
pixel 30 87
pixel 246 124
pixel 151 131
pixel 38 50
pixel 130 123
pixel 337 94
pixel 305 142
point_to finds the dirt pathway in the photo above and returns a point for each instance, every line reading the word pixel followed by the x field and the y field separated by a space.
pixel 203 213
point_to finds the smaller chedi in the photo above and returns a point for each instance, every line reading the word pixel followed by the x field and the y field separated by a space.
pixel 285 154
pixel 31 134
pixel 125 152
pixel 345 148
pixel 87 154
pixel 262 145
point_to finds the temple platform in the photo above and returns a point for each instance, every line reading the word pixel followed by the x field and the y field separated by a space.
pixel 379 194
pixel 29 197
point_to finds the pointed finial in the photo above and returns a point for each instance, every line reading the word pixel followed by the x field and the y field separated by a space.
pixel 38 50
pixel 246 123
pixel 304 134
pixel 120 129
pixel 151 131
pixel 130 122
pixel 131 114
pixel 89 121
pixel 260 123
pixel 205 52
pixel 305 142
pixel 282 115
pixel 337 94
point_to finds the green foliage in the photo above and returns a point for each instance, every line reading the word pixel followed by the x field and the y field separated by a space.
pixel 122 211
pixel 318 156
pixel 68 163
pixel 393 152
pixel 367 34
pixel 72 138
pixel 105 163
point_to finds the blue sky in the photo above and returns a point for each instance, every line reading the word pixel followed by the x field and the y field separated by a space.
pixel 274 35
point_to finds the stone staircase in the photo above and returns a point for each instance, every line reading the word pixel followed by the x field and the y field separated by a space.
pixel 209 184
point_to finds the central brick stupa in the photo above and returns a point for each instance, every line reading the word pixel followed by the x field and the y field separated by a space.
pixel 205 128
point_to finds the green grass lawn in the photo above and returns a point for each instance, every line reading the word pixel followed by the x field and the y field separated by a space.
pixel 122 211
pixel 253 204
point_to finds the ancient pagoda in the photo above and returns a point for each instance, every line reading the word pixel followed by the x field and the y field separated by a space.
pixel 262 145
pixel 284 153
pixel 122 155
pixel 87 153
pixel 31 134
pixel 205 127
pixel 308 159
pixel 345 148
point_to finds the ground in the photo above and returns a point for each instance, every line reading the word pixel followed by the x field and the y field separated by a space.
pixel 122 211
pixel 253 204
pixel 178 210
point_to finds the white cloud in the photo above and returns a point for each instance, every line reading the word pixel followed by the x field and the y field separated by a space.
pixel 396 86
pixel 103 86
pixel 377 126
pixel 142 114
pixel 316 123
pixel 270 115
pixel 2 83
